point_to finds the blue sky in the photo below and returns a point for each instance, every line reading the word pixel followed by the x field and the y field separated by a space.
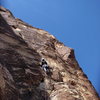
pixel 76 23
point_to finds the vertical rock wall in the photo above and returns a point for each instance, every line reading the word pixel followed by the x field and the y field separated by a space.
pixel 21 74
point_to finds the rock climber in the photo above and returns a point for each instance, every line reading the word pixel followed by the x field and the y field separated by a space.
pixel 45 66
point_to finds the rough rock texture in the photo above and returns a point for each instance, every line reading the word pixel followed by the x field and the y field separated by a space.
pixel 21 76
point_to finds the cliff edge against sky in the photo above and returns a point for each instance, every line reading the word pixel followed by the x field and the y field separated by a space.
pixel 34 65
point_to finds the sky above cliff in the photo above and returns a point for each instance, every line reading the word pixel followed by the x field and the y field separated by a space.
pixel 76 23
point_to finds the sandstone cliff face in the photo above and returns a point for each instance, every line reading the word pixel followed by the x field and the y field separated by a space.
pixel 21 76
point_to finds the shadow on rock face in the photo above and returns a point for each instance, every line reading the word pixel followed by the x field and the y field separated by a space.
pixel 35 95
